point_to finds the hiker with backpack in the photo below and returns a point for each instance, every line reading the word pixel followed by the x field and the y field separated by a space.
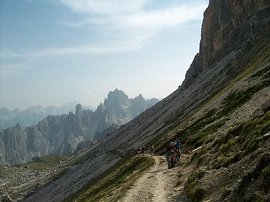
pixel 175 154
pixel 172 153
pixel 168 153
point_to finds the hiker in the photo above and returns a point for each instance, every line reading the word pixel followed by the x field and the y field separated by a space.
pixel 175 153
pixel 178 147
pixel 139 150
pixel 168 153
pixel 152 150
pixel 143 149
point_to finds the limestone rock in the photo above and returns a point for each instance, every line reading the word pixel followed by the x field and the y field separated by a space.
pixel 226 26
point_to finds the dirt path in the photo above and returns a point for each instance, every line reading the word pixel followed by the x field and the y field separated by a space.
pixel 155 185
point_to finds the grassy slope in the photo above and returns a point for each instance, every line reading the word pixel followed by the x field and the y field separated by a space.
pixel 112 185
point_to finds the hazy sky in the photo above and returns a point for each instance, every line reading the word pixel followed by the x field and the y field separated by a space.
pixel 57 51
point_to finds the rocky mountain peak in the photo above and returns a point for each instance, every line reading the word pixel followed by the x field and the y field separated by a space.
pixel 139 97
pixel 116 102
pixel 226 26
pixel 116 97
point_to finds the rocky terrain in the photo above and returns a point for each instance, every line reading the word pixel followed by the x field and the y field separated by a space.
pixel 18 181
pixel 15 179
pixel 61 134
pixel 221 113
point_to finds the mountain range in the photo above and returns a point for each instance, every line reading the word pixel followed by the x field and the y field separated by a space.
pixel 32 115
pixel 61 134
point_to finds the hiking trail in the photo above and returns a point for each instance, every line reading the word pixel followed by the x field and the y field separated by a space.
pixel 157 184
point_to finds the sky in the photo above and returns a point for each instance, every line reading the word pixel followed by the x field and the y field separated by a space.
pixel 57 51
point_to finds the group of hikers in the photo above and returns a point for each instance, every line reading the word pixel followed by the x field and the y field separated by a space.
pixel 141 150
pixel 172 152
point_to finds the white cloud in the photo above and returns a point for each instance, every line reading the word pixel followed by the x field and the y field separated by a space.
pixel 145 19
pixel 132 21
pixel 165 18
pixel 105 7
pixel 135 19
pixel 83 50
pixel 128 25
pixel 77 50
pixel 14 70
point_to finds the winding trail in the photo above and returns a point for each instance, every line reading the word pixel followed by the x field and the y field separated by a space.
pixel 154 185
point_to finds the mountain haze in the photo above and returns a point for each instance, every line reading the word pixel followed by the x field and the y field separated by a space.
pixel 61 134
pixel 32 115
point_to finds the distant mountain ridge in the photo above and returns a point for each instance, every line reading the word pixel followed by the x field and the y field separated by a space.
pixel 32 115
pixel 61 134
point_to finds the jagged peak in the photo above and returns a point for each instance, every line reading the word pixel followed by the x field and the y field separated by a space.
pixel 139 97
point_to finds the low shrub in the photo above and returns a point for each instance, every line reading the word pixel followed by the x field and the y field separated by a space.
pixel 196 175
pixel 196 193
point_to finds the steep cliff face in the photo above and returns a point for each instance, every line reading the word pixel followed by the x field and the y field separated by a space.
pixel 60 135
pixel 226 26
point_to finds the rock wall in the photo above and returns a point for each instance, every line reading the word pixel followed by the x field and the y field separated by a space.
pixel 227 24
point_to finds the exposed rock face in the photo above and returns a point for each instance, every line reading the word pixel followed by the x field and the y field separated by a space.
pixel 226 25
pixel 60 135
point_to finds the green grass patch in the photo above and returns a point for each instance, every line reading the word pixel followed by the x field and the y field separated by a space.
pixel 262 73
pixel 197 193
pixel 241 141
pixel 192 188
pixel 199 133
pixel 112 185
pixel 260 171
pixel 202 136
pixel 45 162
pixel 225 192
pixel 237 99
pixel 196 134
pixel 226 160
pixel 266 178
pixel 195 175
